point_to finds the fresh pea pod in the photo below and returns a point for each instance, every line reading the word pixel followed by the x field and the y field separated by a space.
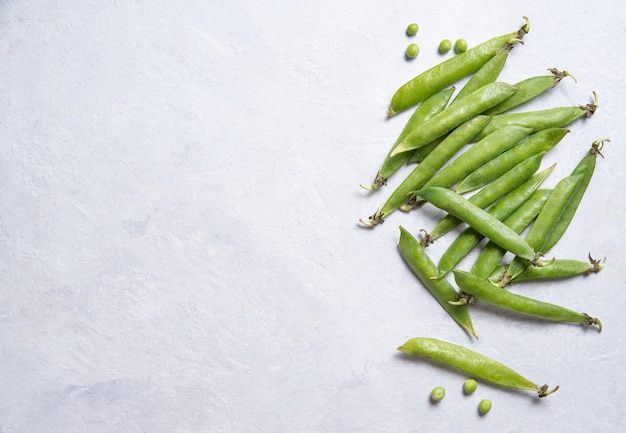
pixel 478 288
pixel 529 89
pixel 417 259
pixel 557 117
pixel 488 73
pixel 542 141
pixel 560 268
pixel 427 109
pixel 453 142
pixel 476 364
pixel 491 254
pixel 508 203
pixel 470 238
pixel 498 189
pixel 585 168
pixel 448 119
pixel 478 154
pixel 450 71
pixel 479 219
pixel 548 219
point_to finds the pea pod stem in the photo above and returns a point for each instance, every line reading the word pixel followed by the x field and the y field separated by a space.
pixel 450 71
pixel 474 286
pixel 471 362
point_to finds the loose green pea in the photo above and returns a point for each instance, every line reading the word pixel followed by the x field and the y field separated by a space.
pixel 470 386
pixel 445 46
pixel 484 406
pixel 412 51
pixel 438 393
pixel 460 46
pixel 412 29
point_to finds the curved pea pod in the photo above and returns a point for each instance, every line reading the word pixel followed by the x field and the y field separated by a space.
pixel 560 268
pixel 448 119
pixel 491 254
pixel 529 89
pixel 488 73
pixel 557 117
pixel 478 288
pixel 453 142
pixel 470 238
pixel 474 363
pixel 421 265
pixel 479 219
pixel 549 218
pixel 496 190
pixel 450 71
pixel 585 169
pixel 468 161
pixel 427 109
pixel 542 141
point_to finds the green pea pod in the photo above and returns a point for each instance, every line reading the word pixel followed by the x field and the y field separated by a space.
pixel 448 119
pixel 557 117
pixel 478 288
pixel 491 254
pixel 542 141
pixel 546 221
pixel 479 219
pixel 427 109
pixel 458 138
pixel 560 268
pixel 450 71
pixel 470 238
pixel 585 168
pixel 488 73
pixel 419 262
pixel 473 363
pixel 529 89
pixel 421 153
pixel 499 188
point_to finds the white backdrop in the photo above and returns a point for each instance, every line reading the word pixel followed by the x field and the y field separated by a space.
pixel 179 245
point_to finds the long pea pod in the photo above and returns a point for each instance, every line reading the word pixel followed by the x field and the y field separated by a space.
pixel 478 219
pixel 453 142
pixel 421 265
pixel 454 115
pixel 557 117
pixel 585 168
pixel 542 141
pixel 473 363
pixel 473 286
pixel 495 191
pixel 488 73
pixel 560 268
pixel 470 238
pixel 468 161
pixel 491 254
pixel 450 71
pixel 548 219
pixel 427 109
pixel 529 89
pixel 508 203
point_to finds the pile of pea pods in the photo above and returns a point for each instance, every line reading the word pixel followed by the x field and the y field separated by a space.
pixel 480 163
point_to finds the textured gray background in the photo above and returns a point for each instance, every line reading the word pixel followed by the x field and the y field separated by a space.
pixel 179 246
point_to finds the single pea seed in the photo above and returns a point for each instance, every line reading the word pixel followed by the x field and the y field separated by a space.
pixel 460 46
pixel 484 406
pixel 445 46
pixel 470 386
pixel 412 51
pixel 438 393
pixel 412 29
